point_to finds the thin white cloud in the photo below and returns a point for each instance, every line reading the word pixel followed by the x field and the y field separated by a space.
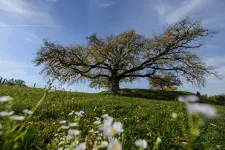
pixel 172 13
pixel 215 61
pixel 215 21
pixel 52 0
pixel 23 10
pixel 30 25
pixel 33 38
pixel 105 5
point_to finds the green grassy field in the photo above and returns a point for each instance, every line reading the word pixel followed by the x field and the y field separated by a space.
pixel 145 114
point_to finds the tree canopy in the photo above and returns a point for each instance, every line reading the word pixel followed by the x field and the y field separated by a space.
pixel 127 56
pixel 168 81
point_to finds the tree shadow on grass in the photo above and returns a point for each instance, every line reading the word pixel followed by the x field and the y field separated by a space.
pixel 158 95
pixel 154 94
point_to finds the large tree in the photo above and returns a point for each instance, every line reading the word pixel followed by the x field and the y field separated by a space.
pixel 125 57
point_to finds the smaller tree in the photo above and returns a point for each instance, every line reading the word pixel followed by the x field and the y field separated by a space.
pixel 168 81
pixel 17 82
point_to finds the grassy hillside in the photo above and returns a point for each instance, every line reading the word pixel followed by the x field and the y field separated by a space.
pixel 144 113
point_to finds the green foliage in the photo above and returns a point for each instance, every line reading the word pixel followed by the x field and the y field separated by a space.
pixel 168 81
pixel 218 98
pixel 16 81
pixel 15 127
pixel 143 117
pixel 13 82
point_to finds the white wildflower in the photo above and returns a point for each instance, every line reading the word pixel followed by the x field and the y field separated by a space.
pixel 96 132
pixel 188 98
pixel 107 121
pixel 203 109
pixel 5 98
pixel 64 127
pixel 81 146
pixel 118 127
pixel 74 143
pixel 97 122
pixel 71 113
pixel 141 143
pixel 104 144
pixel 60 143
pixel 6 113
pixel 91 131
pixel 19 118
pixel 11 113
pixel 28 112
pixel 110 129
pixel 73 124
pixel 61 148
pixel 69 137
pixel 97 118
pixel 73 132
pixel 114 145
pixel 105 116
pixel 62 121
pixel 80 113
pixel 158 140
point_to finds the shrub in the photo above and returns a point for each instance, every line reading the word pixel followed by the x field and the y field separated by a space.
pixel 218 98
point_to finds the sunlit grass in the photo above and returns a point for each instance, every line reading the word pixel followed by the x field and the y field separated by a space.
pixel 142 118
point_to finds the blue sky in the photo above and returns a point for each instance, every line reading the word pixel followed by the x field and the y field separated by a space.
pixel 25 23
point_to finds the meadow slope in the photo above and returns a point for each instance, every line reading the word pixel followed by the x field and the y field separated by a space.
pixel 142 113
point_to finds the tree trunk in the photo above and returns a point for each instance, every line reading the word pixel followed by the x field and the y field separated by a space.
pixel 115 86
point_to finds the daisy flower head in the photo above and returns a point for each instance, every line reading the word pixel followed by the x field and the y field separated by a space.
pixel 64 127
pixel 114 145
pixel 73 124
pixel 158 140
pixel 28 112
pixel 103 144
pixel 91 131
pixel 81 146
pixel 5 99
pixel 80 113
pixel 97 122
pixel 188 98
pixel 107 121
pixel 6 113
pixel 205 110
pixel 141 143
pixel 17 118
pixel 73 132
pixel 62 121
pixel 105 116
pixel 110 128
pixel 71 113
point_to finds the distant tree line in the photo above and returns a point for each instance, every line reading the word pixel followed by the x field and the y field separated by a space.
pixel 12 82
